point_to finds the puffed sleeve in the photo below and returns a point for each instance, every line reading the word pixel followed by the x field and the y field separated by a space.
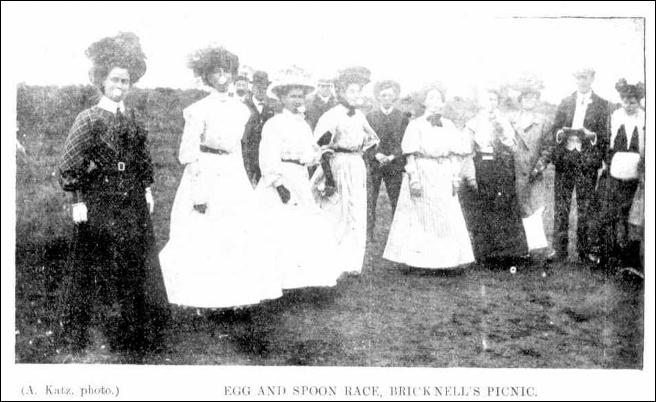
pixel 191 136
pixel 410 142
pixel 76 165
pixel 270 151
pixel 190 152
pixel 327 124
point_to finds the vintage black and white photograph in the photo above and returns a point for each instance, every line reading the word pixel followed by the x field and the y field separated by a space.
pixel 355 185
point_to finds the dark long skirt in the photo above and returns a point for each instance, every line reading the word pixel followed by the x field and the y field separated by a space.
pixel 494 215
pixel 113 263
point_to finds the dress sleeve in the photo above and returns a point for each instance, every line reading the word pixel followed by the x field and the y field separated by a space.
pixel 270 151
pixel 371 138
pixel 410 143
pixel 326 124
pixel 191 136
pixel 75 165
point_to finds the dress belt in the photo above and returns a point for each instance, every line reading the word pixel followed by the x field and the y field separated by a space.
pixel 346 151
pixel 208 150
pixel 296 161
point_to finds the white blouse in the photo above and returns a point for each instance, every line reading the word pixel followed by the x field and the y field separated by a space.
pixel 424 139
pixel 286 136
pixel 349 132
pixel 483 131
pixel 630 122
pixel 216 121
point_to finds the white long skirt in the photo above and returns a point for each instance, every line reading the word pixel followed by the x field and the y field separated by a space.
pixel 220 258
pixel 429 231
pixel 347 208
pixel 301 232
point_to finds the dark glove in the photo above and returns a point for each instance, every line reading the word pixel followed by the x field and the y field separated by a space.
pixel 325 139
pixel 284 194
pixel 330 180
pixel 200 208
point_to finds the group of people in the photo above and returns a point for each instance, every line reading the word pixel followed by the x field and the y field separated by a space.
pixel 282 195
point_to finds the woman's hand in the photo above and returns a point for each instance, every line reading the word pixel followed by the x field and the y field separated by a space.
pixel 415 188
pixel 79 211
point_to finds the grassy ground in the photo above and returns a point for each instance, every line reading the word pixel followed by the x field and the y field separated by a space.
pixel 565 315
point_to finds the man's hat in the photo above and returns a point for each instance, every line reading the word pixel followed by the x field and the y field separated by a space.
pixel 261 78
pixel 585 70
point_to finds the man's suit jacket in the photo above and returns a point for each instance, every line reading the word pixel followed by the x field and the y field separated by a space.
pixel 390 129
pixel 597 120
pixel 315 108
pixel 253 135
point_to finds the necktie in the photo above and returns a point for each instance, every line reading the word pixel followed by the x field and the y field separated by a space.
pixel 435 120
pixel 351 109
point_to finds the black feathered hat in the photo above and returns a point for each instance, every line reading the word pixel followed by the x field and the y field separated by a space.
pixel 122 50
pixel 627 90
pixel 207 61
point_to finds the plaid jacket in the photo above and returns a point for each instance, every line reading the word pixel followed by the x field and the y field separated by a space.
pixel 105 153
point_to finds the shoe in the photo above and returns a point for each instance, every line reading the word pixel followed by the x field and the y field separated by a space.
pixel 592 258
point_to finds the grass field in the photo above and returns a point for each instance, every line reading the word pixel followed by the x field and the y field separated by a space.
pixel 565 315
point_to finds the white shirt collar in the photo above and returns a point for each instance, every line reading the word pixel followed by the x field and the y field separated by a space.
pixel 289 113
pixel 111 106
pixel 223 96
pixel 387 112
pixel 326 99
pixel 583 97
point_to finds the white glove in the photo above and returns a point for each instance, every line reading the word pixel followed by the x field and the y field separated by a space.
pixel 79 210
pixel 149 200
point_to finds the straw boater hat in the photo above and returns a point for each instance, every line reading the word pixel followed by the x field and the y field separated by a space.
pixel 122 50
pixel 292 77
pixel 584 70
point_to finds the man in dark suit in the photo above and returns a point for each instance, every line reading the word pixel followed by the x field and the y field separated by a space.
pixel 262 109
pixel 386 162
pixel 581 131
pixel 319 103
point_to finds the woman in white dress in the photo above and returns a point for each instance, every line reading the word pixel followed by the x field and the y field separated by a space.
pixel 341 180
pixel 215 256
pixel 428 229
pixel 306 246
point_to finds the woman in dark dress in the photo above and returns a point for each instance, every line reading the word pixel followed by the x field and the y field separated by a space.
pixel 107 167
pixel 497 227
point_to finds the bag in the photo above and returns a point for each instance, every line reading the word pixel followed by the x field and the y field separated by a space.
pixel 624 165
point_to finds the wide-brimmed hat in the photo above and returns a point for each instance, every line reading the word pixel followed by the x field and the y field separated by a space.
pixel 386 84
pixel 528 83
pixel 293 77
pixel 583 70
pixel 122 50
pixel 353 75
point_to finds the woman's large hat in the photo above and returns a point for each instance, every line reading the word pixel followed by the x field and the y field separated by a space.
pixel 627 90
pixel 293 77
pixel 122 50
pixel 209 60
pixel 528 83
pixel 353 75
